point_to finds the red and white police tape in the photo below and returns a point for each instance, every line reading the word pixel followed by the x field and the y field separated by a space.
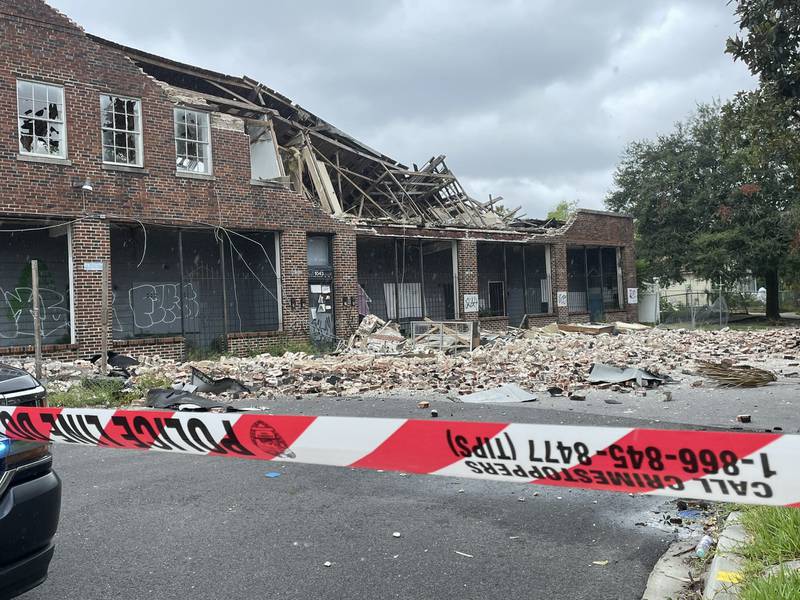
pixel 752 468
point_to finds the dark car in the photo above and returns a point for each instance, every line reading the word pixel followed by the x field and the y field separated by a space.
pixel 30 495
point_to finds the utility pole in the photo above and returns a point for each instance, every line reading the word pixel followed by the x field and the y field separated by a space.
pixel 37 319
pixel 104 319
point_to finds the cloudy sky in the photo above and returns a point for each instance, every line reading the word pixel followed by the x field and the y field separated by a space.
pixel 533 100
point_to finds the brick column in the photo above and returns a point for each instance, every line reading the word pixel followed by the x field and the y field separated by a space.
pixel 294 283
pixel 345 276
pixel 558 272
pixel 467 251
pixel 91 242
pixel 629 281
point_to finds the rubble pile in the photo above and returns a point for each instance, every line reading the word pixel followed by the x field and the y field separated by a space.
pixel 536 361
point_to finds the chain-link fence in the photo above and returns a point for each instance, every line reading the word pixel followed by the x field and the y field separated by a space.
pixel 709 308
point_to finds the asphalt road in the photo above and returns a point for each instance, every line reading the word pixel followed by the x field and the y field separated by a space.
pixel 148 525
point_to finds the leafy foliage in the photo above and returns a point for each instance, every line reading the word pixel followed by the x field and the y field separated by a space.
pixel 770 45
pixel 563 210
pixel 718 196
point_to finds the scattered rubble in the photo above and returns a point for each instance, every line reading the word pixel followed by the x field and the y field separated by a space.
pixel 531 359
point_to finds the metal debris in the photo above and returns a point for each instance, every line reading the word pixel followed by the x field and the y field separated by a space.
pixel 601 373
pixel 509 392
pixel 207 384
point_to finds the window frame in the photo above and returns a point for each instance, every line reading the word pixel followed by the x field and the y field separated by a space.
pixel 210 157
pixel 20 149
pixel 139 135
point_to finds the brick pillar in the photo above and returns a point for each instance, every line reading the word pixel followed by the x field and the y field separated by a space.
pixel 91 242
pixel 629 281
pixel 294 283
pixel 345 276
pixel 558 272
pixel 467 251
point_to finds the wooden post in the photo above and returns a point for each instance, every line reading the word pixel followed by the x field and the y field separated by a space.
pixel 104 319
pixel 37 320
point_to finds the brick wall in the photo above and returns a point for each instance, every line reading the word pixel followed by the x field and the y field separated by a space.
pixel 172 348
pixel 245 344
pixel 49 351
pixel 467 261
pixel 558 274
pixel 40 44
pixel 596 228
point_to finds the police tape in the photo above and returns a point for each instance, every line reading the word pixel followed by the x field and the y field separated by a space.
pixel 749 468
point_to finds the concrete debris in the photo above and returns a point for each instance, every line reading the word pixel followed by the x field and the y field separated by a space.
pixel 535 362
pixel 446 336
pixel 377 336
pixel 509 392
pixel 423 404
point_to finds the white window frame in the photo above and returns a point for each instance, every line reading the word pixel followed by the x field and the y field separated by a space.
pixel 139 134
pixel 63 122
pixel 209 162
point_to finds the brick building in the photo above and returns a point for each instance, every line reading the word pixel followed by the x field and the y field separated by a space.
pixel 230 218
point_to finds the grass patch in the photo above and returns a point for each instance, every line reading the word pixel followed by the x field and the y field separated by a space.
pixel 775 538
pixel 784 585
pixel 145 383
pixel 90 393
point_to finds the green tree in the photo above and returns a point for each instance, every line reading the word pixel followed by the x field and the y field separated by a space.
pixel 718 196
pixel 770 45
pixel 563 210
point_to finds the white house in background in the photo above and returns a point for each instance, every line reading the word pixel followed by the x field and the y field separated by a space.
pixel 694 290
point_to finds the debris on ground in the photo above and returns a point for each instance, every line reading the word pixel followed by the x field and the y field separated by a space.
pixel 509 392
pixel 180 400
pixel 727 374
pixel 534 361
pixel 209 385
pixel 622 327
pixel 120 364
pixel 744 418
pixel 378 336
pixel 445 336
pixel 586 328
pixel 602 373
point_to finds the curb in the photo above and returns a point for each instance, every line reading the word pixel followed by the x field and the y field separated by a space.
pixel 668 578
pixel 725 572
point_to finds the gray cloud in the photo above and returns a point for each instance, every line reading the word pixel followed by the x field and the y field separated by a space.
pixel 534 101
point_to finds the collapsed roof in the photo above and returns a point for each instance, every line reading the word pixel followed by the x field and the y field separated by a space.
pixel 344 176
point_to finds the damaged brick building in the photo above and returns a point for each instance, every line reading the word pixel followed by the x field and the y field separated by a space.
pixel 230 218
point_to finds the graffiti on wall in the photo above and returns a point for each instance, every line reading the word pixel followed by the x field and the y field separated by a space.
pixel 53 311
pixel 160 304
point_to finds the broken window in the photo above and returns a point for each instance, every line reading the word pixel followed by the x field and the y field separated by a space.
pixel 593 280
pixel 17 250
pixel 537 280
pixel 121 124
pixel 168 281
pixel 40 112
pixel 513 280
pixel 407 279
pixel 192 141
pixel 264 159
